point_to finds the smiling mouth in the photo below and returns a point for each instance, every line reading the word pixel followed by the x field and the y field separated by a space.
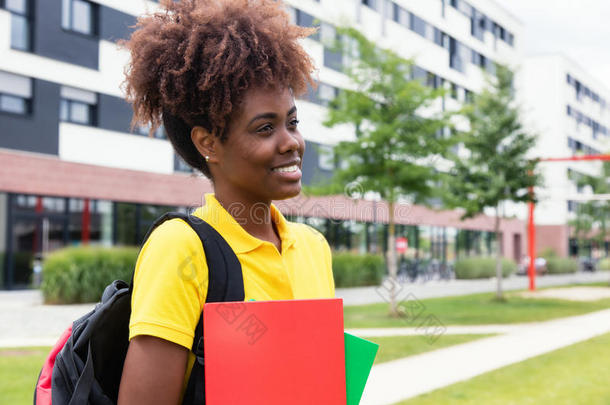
pixel 286 169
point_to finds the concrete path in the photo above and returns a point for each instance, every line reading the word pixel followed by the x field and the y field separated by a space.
pixel 24 321
pixel 449 330
pixel 432 289
pixel 406 378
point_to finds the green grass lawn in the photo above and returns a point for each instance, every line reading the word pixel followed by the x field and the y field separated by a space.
pixel 574 375
pixel 476 309
pixel 396 347
pixel 19 370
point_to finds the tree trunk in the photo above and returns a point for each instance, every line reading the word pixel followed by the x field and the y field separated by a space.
pixel 498 254
pixel 392 262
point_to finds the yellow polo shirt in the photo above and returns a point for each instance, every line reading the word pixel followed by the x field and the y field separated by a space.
pixel 171 275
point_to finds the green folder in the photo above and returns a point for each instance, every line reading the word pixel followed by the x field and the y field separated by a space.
pixel 359 357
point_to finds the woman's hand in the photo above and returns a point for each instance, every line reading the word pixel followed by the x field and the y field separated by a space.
pixel 153 372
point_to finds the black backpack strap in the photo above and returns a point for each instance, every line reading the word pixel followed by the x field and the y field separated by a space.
pixel 225 283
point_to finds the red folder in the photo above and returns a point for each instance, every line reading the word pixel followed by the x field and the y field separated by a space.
pixel 275 352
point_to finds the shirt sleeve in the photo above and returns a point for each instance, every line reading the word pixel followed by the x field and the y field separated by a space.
pixel 170 284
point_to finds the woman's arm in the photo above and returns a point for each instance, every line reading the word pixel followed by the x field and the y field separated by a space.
pixel 153 372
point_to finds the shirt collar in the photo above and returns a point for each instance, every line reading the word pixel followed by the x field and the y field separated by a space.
pixel 236 236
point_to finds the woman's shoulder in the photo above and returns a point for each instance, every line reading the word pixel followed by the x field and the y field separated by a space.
pixel 173 232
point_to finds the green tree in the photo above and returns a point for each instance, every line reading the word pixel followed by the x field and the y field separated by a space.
pixel 398 134
pixel 593 217
pixel 497 168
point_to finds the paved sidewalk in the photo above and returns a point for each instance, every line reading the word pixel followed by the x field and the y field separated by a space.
pixel 446 330
pixel 24 321
pixel 432 289
pixel 406 378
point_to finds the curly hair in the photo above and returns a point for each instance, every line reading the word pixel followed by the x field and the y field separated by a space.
pixel 192 63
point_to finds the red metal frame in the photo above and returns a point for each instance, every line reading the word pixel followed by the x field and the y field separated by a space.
pixel 531 226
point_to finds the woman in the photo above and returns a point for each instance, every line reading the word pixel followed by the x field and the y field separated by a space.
pixel 221 76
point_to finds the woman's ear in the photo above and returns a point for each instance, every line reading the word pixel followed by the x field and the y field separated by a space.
pixel 205 142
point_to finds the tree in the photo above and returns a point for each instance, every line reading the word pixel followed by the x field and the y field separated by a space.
pixel 497 168
pixel 593 217
pixel 398 134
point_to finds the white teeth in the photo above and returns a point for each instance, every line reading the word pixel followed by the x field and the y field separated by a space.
pixel 286 169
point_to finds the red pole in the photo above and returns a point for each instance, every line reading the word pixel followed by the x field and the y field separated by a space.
pixel 532 246
pixel 39 208
pixel 86 221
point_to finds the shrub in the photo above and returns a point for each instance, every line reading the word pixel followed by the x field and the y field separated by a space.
pixel 560 265
pixel 604 264
pixel 548 253
pixel 482 267
pixel 355 270
pixel 80 274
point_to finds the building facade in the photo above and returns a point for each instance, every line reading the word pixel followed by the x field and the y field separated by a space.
pixel 72 172
pixel 570 113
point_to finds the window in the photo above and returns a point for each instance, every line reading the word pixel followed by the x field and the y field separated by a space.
pixel 418 25
pixel 441 39
pixel 145 131
pixel 400 15
pixel 477 25
pixel 304 19
pixel 20 24
pixel 79 16
pixel 332 58
pixel 78 106
pixel 15 94
pixel 459 55
pixel 326 93
pixel 374 4
pixel 326 157
pixel 454 91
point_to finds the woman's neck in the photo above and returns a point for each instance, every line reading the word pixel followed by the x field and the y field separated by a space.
pixel 254 217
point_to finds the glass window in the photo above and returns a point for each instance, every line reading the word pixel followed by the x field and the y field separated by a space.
pixel 18 6
pixel 79 112
pixel 20 32
pixel 20 24
pixel 326 93
pixel 13 104
pixel 418 25
pixel 374 4
pixel 15 93
pixel 77 106
pixel 79 16
pixel 400 15
pixel 326 157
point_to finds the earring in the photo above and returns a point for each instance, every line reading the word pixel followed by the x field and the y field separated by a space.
pixel 207 158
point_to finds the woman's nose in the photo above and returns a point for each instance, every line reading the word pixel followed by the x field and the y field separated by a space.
pixel 290 141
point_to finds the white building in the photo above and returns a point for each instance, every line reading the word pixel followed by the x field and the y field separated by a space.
pixel 570 113
pixel 71 172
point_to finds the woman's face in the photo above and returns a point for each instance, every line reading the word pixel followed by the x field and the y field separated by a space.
pixel 261 159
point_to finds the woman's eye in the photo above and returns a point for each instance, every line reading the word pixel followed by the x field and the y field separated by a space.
pixel 265 128
pixel 294 122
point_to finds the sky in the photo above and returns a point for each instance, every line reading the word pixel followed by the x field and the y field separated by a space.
pixel 580 29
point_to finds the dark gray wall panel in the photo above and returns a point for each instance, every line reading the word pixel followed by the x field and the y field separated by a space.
pixel 115 25
pixel 52 41
pixel 114 113
pixel 311 169
pixel 38 132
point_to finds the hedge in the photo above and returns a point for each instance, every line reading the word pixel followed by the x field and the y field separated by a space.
pixel 482 267
pixel 355 270
pixel 80 274
pixel 559 265
pixel 604 264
